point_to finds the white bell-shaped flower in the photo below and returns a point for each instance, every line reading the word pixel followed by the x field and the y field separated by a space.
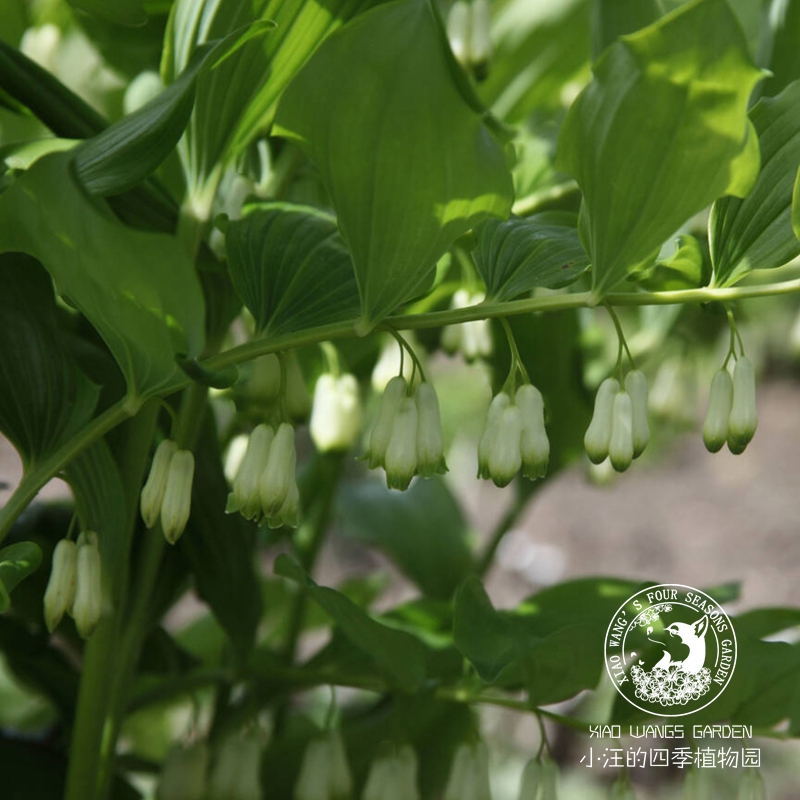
pixel 469 775
pixel 325 774
pixel 236 774
pixel 752 786
pixel 534 445
pixel 336 413
pixel 387 366
pixel 598 434
pixel 430 444
pixel 743 419
pixel 393 777
pixel 499 404
pixel 245 496
pixel 381 435
pixel 279 474
pixel 154 489
pixel 401 454
pixel 289 513
pixel 459 22
pixel 539 781
pixel 636 387
pixel 183 776
pixel 60 593
pixel 88 603
pixel 720 401
pixel 505 457
pixel 620 446
pixel 177 503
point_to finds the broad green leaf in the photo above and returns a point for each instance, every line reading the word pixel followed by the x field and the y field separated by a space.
pixel 99 494
pixel 291 268
pixel 761 622
pixel 235 103
pixel 17 561
pixel 138 289
pixel 130 150
pixel 409 167
pixel 537 49
pixel 756 232
pixel 659 134
pixel 614 18
pixel 796 206
pixel 422 530
pixel 684 269
pixel 398 655
pixel 219 549
pixel 44 397
pixel 782 35
pixel 553 665
pixel 121 12
pixel 518 255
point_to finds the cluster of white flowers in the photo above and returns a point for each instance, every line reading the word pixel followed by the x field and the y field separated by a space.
pixel 236 774
pixel 393 777
pixel 407 437
pixel 732 415
pixel 619 429
pixel 167 494
pixel 514 437
pixel 265 485
pixel 75 585
pixel 469 775
pixel 325 774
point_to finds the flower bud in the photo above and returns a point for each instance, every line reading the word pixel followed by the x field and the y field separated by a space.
pixel 236 772
pixel 598 434
pixel 246 495
pixel 324 774
pixel 480 45
pixel 636 387
pixel 88 603
pixel 534 445
pixel 743 419
pixel 505 458
pixel 539 781
pixel 278 476
pixel 393 777
pixel 720 400
pixel 60 593
pixel 153 491
pixel 752 786
pixel 177 503
pixel 401 454
pixel 298 400
pixel 469 775
pixel 620 448
pixel 458 31
pixel 490 430
pixel 234 455
pixel 430 446
pixel 336 413
pixel 289 513
pixel 382 432
pixel 183 776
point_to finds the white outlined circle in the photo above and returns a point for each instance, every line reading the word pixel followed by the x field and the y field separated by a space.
pixel 692 625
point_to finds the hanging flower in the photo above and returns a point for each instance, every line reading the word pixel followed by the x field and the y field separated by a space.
pixel 153 492
pixel 743 419
pixel 324 774
pixel 88 603
pixel 279 474
pixel 60 593
pixel 183 776
pixel 539 780
pixel 336 413
pixel 472 339
pixel 245 496
pixel 177 503
pixel 393 777
pixel 720 400
pixel 469 775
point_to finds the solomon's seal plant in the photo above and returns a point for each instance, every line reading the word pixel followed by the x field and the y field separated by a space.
pixel 340 242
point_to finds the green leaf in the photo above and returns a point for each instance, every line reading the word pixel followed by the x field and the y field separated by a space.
pixel 235 103
pixel 781 38
pixel 138 289
pixel 291 268
pixel 537 49
pixel 659 134
pixel 217 379
pixel 411 166
pixel 796 206
pixel 756 232
pixel 121 12
pixel 682 270
pixel 518 255
pixel 17 561
pixel 44 397
pixel 130 150
pixel 398 655
pixel 219 549
pixel 612 19
pixel 422 530
pixel 761 622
